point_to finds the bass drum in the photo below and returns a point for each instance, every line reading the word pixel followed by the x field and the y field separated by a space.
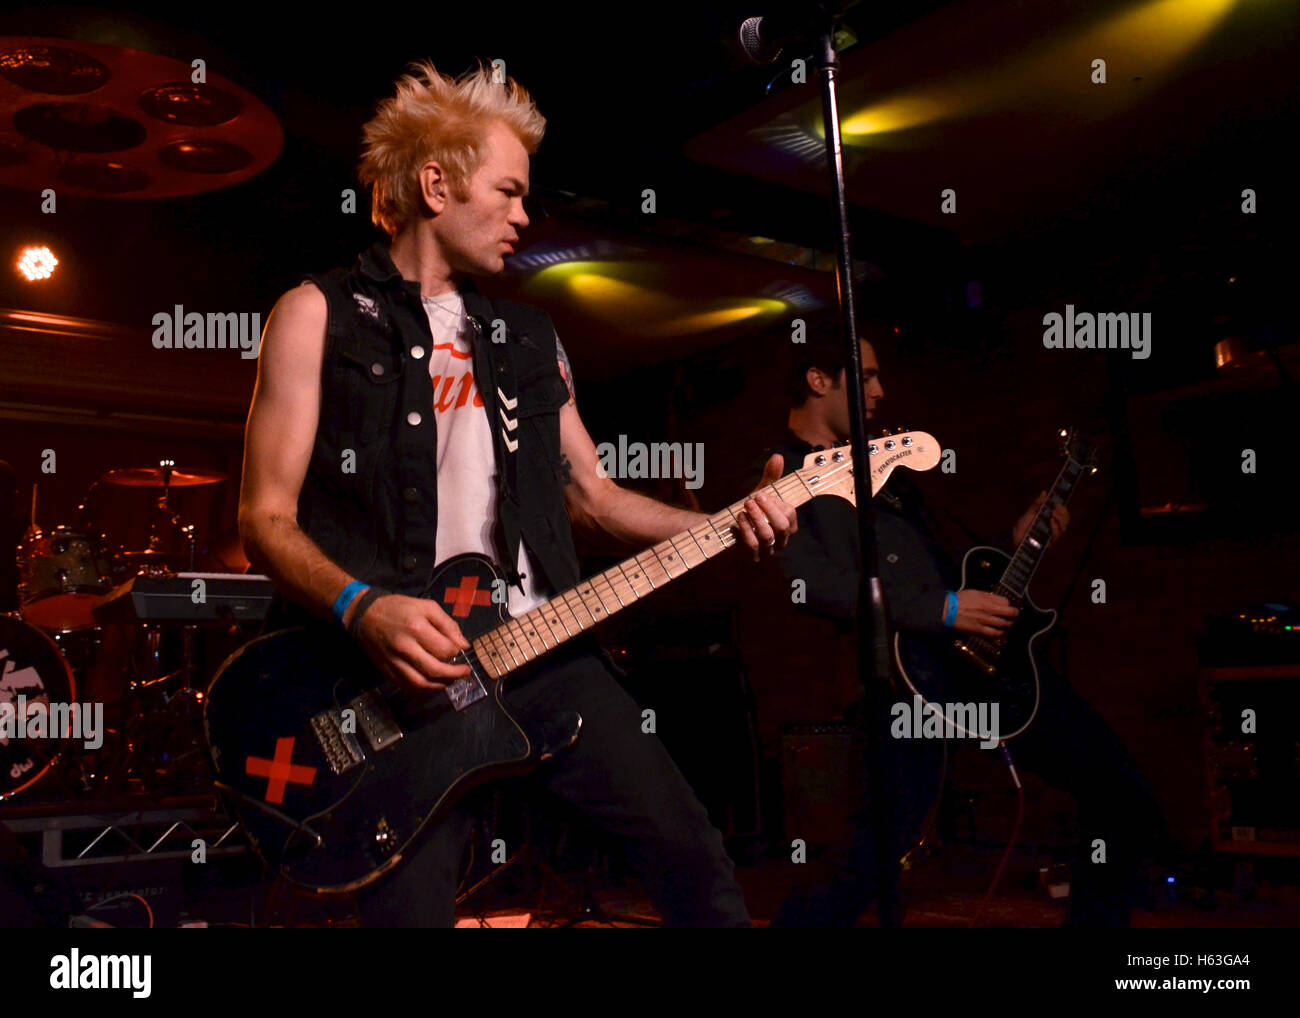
pixel 33 675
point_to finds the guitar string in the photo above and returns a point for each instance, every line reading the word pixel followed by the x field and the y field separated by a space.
pixel 789 482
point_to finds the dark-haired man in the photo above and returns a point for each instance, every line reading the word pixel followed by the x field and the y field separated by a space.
pixel 1069 744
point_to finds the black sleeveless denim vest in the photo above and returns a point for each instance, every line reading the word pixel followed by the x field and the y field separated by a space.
pixel 370 497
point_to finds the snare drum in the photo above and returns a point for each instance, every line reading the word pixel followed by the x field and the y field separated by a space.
pixel 31 668
pixel 60 575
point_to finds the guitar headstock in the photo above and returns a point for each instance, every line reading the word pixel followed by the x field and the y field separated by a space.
pixel 1076 447
pixel 830 471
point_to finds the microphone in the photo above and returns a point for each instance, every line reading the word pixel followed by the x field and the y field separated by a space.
pixel 763 38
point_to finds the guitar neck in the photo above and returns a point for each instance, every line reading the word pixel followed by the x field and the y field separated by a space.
pixel 519 641
pixel 1024 563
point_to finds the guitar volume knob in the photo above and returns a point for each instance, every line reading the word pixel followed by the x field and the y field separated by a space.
pixel 385 838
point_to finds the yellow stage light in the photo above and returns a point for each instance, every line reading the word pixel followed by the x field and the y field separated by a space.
pixel 1140 42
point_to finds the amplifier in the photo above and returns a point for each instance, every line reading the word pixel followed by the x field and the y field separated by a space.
pixel 1252 758
pixel 1267 633
pixel 823 777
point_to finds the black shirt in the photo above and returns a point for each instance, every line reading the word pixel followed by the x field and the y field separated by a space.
pixel 916 569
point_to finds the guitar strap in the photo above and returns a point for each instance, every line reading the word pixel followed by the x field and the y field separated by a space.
pixel 494 367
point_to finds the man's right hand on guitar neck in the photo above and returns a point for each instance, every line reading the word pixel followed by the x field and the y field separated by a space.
pixel 410 640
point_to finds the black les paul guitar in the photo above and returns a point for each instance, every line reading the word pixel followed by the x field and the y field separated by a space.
pixel 970 668
pixel 334 773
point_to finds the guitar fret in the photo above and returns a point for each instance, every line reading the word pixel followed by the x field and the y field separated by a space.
pixel 734 531
pixel 636 594
pixel 529 647
pixel 532 615
pixel 602 609
pixel 605 576
pixel 493 651
pixel 558 615
pixel 512 629
pixel 513 644
pixel 485 661
pixel 528 622
pixel 507 646
pixel 704 556
pixel 679 542
pixel 721 539
pixel 621 581
pixel 654 550
pixel 644 573
pixel 544 610
pixel 586 606
pixel 676 552
pixel 587 595
pixel 567 598
pixel 566 601
pixel 655 564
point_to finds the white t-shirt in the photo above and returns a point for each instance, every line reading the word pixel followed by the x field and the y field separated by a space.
pixel 467 496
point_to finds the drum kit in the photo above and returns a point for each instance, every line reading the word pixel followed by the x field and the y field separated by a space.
pixel 57 648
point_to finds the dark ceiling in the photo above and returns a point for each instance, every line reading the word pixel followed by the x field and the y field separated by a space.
pixel 1056 177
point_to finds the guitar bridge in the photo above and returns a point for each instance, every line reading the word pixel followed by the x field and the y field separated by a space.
pixel 341 749
pixel 336 733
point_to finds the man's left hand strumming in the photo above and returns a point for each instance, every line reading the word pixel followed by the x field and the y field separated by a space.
pixel 768 522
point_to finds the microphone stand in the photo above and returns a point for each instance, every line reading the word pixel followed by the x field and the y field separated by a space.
pixel 873 626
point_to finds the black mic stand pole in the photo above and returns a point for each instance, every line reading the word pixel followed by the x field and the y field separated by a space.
pixel 873 628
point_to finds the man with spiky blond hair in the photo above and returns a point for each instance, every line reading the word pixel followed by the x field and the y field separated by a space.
pixel 373 453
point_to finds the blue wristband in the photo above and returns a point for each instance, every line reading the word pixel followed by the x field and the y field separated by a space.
pixel 345 598
pixel 949 609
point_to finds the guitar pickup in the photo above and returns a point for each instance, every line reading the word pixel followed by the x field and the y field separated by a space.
pixel 465 691
pixel 375 720
pixel 974 657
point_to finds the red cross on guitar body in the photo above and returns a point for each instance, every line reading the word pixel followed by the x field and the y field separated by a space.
pixel 279 771
pixel 460 599
pixel 333 772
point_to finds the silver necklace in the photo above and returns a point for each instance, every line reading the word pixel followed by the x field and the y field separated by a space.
pixel 459 316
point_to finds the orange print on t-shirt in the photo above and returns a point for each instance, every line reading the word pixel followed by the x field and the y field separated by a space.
pixel 453 396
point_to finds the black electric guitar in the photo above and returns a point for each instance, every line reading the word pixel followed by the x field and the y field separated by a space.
pixel 334 772
pixel 969 668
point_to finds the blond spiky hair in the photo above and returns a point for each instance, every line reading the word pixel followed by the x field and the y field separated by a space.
pixel 433 117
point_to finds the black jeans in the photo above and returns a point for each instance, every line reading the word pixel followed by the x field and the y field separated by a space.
pixel 1072 748
pixel 622 779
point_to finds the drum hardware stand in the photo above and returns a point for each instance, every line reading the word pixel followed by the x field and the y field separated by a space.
pixel 153 632
pixel 528 857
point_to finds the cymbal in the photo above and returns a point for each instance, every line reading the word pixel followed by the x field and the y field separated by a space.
pixel 152 477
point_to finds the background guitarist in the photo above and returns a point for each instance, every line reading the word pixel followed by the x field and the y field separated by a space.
pixel 1069 745
pixel 374 452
